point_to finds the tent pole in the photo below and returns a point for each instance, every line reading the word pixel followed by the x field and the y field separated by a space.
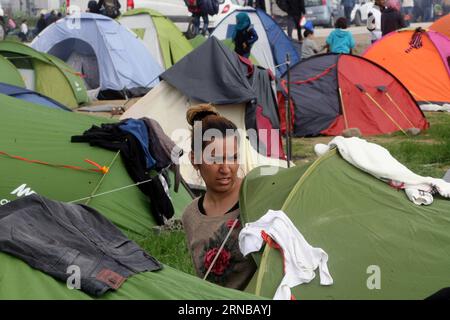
pixel 288 112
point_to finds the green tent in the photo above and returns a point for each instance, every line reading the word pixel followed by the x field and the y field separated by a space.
pixel 152 28
pixel 367 228
pixel 199 40
pixel 43 134
pixel 50 76
pixel 9 73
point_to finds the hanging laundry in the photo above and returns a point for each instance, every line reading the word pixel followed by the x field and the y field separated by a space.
pixel 52 236
pixel 139 129
pixel 110 136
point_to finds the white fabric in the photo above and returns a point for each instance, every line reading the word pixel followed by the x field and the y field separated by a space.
pixel 435 107
pixel 408 3
pixel 301 259
pixel 377 161
pixel 374 22
pixel 24 28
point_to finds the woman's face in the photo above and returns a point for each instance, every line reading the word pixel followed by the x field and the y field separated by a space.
pixel 220 165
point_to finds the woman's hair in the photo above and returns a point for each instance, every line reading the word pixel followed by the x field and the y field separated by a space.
pixel 307 32
pixel 341 23
pixel 210 119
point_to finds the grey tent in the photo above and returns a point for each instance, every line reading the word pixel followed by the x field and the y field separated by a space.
pixel 214 74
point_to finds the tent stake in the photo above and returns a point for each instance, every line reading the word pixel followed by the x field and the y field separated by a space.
pixel 288 113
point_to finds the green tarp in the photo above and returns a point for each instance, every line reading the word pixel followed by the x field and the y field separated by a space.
pixel 53 77
pixel 363 224
pixel 43 134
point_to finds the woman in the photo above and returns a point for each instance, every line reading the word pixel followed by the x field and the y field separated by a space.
pixel 244 35
pixel 212 220
pixel 391 18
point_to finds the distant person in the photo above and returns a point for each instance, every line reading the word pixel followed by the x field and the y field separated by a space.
pixel 244 35
pixel 348 7
pixel 295 11
pixel 427 6
pixel 340 40
pixel 408 10
pixel 23 34
pixel 93 7
pixel 51 18
pixel 309 47
pixel 391 18
pixel 374 20
pixel 109 8
pixel 195 7
pixel 41 24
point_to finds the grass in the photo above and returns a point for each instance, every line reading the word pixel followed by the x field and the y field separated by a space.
pixel 168 247
pixel 425 154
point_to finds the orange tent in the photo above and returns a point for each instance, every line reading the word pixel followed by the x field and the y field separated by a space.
pixel 442 25
pixel 423 69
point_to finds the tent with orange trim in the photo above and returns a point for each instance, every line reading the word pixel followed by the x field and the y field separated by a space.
pixel 330 93
pixel 423 66
pixel 442 25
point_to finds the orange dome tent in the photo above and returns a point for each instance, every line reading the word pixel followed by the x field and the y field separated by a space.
pixel 442 25
pixel 423 67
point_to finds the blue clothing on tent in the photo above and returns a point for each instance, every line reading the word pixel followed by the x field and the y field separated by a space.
pixel 138 128
pixel 340 41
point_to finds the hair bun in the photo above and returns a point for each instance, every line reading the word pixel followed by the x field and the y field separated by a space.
pixel 199 112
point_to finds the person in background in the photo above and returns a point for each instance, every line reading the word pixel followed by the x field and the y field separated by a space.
pixel 211 222
pixel 374 20
pixel 309 47
pixel 391 18
pixel 244 35
pixel 23 34
pixel 93 7
pixel 51 18
pixel 348 7
pixel 41 24
pixel 295 11
pixel 196 20
pixel 407 10
pixel 340 40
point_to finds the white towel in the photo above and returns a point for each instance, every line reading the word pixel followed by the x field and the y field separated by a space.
pixel 301 259
pixel 377 161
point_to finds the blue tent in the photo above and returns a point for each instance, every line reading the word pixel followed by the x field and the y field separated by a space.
pixel 30 96
pixel 111 57
pixel 273 44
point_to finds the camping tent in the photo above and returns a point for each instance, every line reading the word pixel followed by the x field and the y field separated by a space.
pixel 198 40
pixel 424 71
pixel 164 40
pixel 9 73
pixel 240 91
pixel 109 55
pixel 45 74
pixel 37 133
pixel 30 96
pixel 442 25
pixel 366 227
pixel 331 93
pixel 273 44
